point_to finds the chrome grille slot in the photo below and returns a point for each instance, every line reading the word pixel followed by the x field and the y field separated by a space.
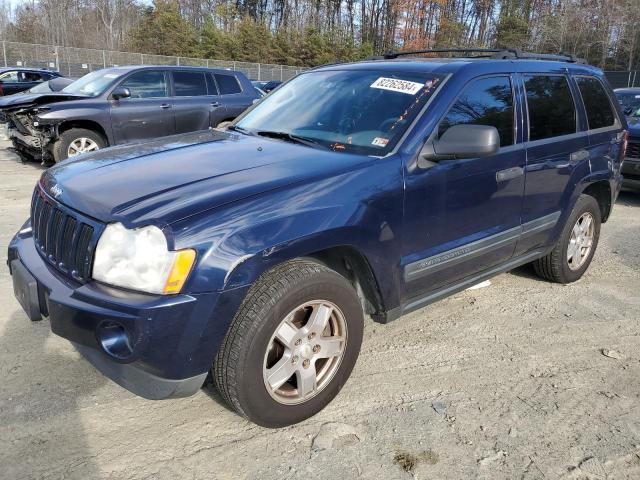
pixel 61 237
pixel 633 150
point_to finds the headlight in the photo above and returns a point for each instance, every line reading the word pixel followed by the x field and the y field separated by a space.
pixel 140 260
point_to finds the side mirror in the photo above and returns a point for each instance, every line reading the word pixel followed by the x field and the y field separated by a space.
pixel 462 141
pixel 120 92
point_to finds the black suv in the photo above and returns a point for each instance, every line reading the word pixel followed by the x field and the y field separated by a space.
pixel 123 104
pixel 15 80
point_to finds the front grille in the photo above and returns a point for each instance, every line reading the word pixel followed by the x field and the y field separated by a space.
pixel 61 238
pixel 633 150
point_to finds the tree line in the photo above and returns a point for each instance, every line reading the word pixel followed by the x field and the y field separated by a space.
pixel 314 32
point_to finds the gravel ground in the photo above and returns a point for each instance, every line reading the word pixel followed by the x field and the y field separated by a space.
pixel 522 379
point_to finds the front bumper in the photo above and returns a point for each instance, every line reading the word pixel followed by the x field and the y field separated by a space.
pixel 155 346
pixel 30 145
pixel 631 173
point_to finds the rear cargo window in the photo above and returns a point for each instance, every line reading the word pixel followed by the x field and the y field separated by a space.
pixel 189 84
pixel 487 101
pixel 552 112
pixel 596 102
pixel 228 84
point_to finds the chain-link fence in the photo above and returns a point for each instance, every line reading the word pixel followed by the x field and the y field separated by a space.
pixel 75 62
pixel 623 79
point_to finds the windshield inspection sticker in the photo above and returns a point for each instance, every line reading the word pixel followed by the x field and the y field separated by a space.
pixel 396 85
pixel 380 142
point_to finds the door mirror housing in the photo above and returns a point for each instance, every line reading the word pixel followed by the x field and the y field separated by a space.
pixel 462 141
pixel 120 92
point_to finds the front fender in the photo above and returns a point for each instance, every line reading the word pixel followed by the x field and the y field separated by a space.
pixel 236 243
pixel 85 114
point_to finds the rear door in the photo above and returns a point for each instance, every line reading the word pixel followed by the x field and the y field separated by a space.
pixel 557 154
pixel 191 100
pixel 234 99
pixel 148 113
pixel 31 79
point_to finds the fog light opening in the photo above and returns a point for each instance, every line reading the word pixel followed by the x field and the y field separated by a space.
pixel 114 340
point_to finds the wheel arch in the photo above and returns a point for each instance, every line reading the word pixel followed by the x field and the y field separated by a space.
pixel 86 124
pixel 354 266
pixel 601 191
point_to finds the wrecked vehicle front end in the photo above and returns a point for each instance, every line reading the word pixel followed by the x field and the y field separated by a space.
pixel 31 135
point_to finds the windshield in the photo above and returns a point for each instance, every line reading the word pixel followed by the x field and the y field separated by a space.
pixel 94 83
pixel 358 111
pixel 41 88
pixel 630 102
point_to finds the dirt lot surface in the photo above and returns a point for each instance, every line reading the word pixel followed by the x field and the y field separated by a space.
pixel 523 379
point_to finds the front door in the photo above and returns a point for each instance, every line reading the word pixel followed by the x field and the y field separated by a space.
pixel 148 113
pixel 463 216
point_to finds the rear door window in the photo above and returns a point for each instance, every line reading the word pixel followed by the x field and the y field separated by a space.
pixel 228 84
pixel 32 77
pixel 552 112
pixel 596 102
pixel 147 84
pixel 211 85
pixel 189 84
pixel 486 101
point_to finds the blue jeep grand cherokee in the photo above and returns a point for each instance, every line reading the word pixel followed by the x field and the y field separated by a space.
pixel 368 188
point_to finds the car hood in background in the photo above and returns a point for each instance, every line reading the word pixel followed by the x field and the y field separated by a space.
pixel 634 126
pixel 165 180
pixel 29 99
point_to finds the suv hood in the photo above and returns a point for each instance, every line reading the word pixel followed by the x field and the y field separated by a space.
pixel 34 99
pixel 168 179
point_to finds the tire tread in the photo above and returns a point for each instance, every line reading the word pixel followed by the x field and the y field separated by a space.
pixel 264 293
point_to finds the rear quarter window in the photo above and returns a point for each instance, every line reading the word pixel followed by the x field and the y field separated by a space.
pixel 596 103
pixel 228 84
pixel 552 112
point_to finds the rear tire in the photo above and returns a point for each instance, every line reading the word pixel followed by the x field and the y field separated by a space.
pixel 574 251
pixel 279 335
pixel 79 140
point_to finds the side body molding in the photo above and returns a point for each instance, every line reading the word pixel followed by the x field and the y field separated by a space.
pixel 434 263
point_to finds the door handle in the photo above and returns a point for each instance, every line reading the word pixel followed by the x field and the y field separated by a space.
pixel 578 156
pixel 215 104
pixel 509 174
pixel 164 106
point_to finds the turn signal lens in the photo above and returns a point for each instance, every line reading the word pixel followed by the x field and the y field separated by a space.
pixel 182 263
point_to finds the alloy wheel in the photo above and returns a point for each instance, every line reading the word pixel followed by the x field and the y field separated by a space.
pixel 305 352
pixel 581 241
pixel 81 145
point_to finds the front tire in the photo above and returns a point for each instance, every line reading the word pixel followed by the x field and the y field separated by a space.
pixel 291 346
pixel 573 253
pixel 75 141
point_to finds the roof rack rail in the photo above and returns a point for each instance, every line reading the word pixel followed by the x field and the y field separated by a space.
pixel 495 53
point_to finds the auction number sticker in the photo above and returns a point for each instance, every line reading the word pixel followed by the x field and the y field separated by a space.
pixel 380 142
pixel 397 85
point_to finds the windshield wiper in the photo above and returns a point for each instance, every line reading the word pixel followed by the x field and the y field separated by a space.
pixel 309 142
pixel 236 128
